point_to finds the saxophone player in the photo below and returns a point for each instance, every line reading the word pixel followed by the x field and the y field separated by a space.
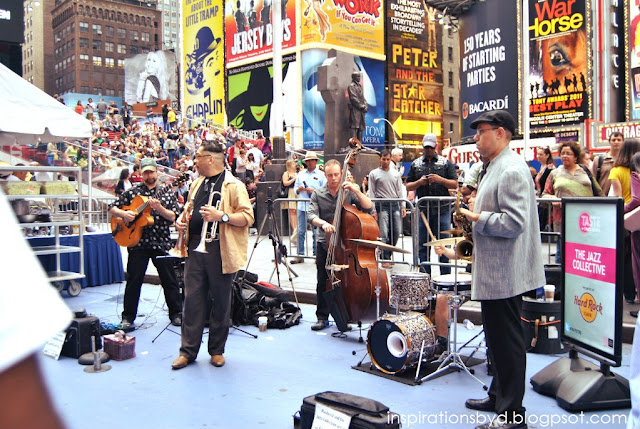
pixel 209 275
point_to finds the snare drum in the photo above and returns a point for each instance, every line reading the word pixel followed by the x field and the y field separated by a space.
pixel 446 283
pixel 394 341
pixel 409 291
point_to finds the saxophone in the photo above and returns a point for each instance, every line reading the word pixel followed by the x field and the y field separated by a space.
pixel 464 248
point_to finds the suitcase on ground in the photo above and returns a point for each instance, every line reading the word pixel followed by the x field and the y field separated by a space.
pixel 78 339
pixel 365 413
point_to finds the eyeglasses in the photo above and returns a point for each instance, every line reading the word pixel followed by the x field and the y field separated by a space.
pixel 198 156
pixel 480 131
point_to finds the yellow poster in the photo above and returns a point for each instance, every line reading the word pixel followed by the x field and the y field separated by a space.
pixel 203 47
pixel 351 26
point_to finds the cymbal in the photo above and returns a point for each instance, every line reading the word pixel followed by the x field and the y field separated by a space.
pixel 444 241
pixel 453 232
pixel 380 244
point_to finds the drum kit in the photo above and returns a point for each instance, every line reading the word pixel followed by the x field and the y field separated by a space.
pixel 404 340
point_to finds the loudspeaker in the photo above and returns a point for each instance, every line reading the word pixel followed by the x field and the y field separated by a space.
pixel 79 333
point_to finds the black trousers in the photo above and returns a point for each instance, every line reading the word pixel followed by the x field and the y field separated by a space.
pixel 136 268
pixel 505 338
pixel 204 283
pixel 322 306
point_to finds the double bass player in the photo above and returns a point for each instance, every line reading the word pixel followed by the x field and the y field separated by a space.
pixel 321 212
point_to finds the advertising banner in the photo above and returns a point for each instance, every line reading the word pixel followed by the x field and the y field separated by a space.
pixel 12 21
pixel 634 58
pixel 559 57
pixel 248 28
pixel 150 77
pixel 251 94
pixel 356 27
pixel 313 105
pixel 629 130
pixel 203 79
pixel 489 60
pixel 414 70
pixel 591 272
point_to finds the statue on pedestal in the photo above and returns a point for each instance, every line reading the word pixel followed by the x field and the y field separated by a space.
pixel 357 106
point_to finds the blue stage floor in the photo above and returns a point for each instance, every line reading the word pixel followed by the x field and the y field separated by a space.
pixel 265 379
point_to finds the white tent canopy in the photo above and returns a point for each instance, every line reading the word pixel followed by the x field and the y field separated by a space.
pixel 28 114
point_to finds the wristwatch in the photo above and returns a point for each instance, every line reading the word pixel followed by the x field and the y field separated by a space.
pixel 224 218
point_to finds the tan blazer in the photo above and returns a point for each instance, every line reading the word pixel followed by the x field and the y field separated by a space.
pixel 233 240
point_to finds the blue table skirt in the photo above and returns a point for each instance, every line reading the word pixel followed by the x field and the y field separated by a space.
pixel 102 258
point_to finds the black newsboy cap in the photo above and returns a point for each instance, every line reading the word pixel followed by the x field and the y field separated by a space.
pixel 498 118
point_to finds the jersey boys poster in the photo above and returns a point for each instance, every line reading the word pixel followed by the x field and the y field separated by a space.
pixel 559 56
pixel 203 61
pixel 249 28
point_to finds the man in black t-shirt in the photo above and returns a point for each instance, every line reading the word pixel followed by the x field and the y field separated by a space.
pixel 154 244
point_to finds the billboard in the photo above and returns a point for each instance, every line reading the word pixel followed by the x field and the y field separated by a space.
pixel 12 21
pixel 489 60
pixel 248 28
pixel 356 27
pixel 203 79
pixel 150 77
pixel 414 70
pixel 313 105
pixel 559 57
pixel 251 94
pixel 592 259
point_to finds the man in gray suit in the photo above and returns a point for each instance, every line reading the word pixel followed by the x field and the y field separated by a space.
pixel 507 262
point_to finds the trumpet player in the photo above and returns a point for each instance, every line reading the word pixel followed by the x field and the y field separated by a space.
pixel 217 220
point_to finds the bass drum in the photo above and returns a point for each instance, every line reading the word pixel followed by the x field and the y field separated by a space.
pixel 394 341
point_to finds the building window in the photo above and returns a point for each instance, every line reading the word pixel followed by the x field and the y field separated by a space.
pixel 120 64
pixel 108 62
pixel 451 104
pixel 97 29
pixel 84 26
pixel 133 35
pixel 122 49
pixel 110 92
pixel 83 57
pixel 145 50
pixel 450 79
pixel 97 44
pixel 122 33
pixel 145 36
pixel 109 31
pixel 450 127
pixel 83 42
pixel 109 46
pixel 450 54
pixel 84 89
pixel 97 61
pixel 97 90
pixel 133 50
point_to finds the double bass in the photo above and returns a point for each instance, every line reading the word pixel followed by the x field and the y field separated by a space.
pixel 353 271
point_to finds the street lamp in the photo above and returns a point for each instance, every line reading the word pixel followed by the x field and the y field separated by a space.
pixel 395 134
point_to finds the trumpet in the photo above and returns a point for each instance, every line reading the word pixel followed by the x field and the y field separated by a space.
pixel 180 249
pixel 464 248
pixel 205 236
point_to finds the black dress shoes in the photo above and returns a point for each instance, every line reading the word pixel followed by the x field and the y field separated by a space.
pixel 486 404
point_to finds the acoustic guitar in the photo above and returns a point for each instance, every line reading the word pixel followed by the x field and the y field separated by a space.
pixel 128 234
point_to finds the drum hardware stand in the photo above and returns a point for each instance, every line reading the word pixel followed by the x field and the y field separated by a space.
pixel 453 359
pixel 279 249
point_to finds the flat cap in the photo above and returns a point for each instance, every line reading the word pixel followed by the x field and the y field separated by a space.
pixel 497 118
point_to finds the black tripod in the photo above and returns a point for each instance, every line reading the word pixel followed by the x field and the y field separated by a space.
pixel 279 249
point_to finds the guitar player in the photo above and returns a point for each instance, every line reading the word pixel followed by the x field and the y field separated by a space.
pixel 154 244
